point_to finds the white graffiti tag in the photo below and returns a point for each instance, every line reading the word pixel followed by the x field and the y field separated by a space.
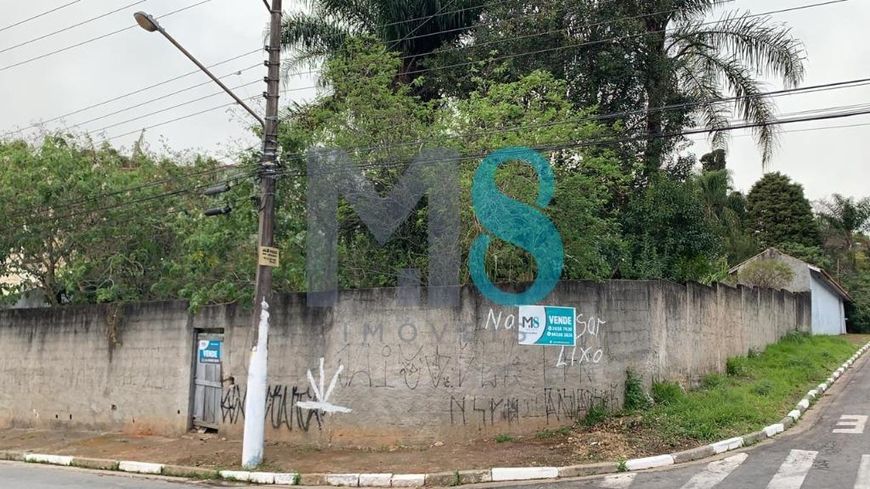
pixel 322 398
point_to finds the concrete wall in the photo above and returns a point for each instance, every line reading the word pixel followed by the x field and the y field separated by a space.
pixel 829 316
pixel 407 374
pixel 96 367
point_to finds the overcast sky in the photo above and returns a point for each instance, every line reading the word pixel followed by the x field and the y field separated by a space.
pixel 824 161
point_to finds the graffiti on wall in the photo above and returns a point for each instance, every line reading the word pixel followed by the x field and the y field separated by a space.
pixel 552 405
pixel 321 397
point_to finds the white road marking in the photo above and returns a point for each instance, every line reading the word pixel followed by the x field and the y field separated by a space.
pixel 852 424
pixel 715 472
pixel 793 471
pixel 617 481
pixel 863 480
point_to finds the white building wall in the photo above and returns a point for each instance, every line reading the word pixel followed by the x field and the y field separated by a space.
pixel 828 311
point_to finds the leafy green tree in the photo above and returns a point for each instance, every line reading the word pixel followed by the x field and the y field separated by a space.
pixel 413 29
pixel 86 224
pixel 779 213
pixel 661 64
pixel 669 234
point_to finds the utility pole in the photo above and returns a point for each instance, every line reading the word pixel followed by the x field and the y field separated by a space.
pixel 255 400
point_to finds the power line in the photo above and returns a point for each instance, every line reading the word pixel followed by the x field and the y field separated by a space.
pixel 93 39
pixel 130 94
pixel 88 21
pixel 172 94
pixel 47 12
pixel 551 49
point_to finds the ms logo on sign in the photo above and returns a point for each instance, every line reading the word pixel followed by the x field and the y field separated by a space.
pixel 433 174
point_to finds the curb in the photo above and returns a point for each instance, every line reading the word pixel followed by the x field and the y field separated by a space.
pixel 443 479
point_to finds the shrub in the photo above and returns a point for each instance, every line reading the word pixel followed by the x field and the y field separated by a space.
pixel 771 274
pixel 635 397
pixel 596 414
pixel 736 367
pixel 503 438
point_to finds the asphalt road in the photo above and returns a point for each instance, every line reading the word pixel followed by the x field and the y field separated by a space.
pixel 830 449
pixel 33 476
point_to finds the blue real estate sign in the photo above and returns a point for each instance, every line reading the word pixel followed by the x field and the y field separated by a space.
pixel 546 325
pixel 210 351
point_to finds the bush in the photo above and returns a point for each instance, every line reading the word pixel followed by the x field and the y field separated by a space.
pixel 635 397
pixel 596 414
pixel 771 274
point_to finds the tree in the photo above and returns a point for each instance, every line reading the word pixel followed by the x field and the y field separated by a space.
pixel 771 274
pixel 413 29
pixel 70 229
pixel 661 65
pixel 779 213
pixel 844 218
pixel 714 160
pixel 668 233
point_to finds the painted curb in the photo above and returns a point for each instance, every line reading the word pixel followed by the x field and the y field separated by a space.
pixel 498 474
pixel 375 480
pixel 406 480
pixel 502 474
pixel 40 458
pixel 649 462
pixel 140 467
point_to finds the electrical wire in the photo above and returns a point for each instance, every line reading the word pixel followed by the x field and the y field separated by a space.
pixel 129 94
pixel 85 22
pixel 93 39
pixel 39 15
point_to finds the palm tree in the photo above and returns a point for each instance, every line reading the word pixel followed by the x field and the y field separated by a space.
pixel 845 217
pixel 688 57
pixel 413 28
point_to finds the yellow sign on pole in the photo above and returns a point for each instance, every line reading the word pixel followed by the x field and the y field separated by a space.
pixel 269 257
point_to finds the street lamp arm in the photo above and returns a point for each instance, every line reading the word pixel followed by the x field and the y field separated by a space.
pixel 150 24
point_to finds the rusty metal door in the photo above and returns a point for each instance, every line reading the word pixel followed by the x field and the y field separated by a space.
pixel 207 388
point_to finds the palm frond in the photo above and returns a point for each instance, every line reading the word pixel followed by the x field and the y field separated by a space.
pixel 764 48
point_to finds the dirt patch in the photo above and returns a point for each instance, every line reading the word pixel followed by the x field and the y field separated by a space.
pixel 614 439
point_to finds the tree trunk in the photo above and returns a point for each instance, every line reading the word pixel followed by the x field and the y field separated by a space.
pixel 656 87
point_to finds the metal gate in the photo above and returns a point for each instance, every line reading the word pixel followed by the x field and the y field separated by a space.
pixel 207 387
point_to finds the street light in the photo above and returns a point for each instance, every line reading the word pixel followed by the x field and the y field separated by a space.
pixel 255 399
pixel 150 24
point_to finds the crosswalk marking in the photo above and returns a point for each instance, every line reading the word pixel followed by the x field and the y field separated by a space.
pixel 715 472
pixel 852 424
pixel 617 481
pixel 863 480
pixel 793 471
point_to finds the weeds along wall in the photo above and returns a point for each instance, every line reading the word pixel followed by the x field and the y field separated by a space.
pixel 372 371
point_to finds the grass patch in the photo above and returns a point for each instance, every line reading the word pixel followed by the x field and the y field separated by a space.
pixel 503 438
pixel 757 389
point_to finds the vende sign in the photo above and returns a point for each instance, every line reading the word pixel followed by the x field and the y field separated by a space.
pixel 547 325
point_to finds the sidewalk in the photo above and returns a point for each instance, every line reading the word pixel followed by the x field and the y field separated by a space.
pixel 606 442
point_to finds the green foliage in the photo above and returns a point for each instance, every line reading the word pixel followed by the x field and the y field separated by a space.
pixel 714 160
pixel 596 414
pixel 779 213
pixel 669 234
pixel 772 274
pixel 635 398
pixel 756 394
pixel 503 438
pixel 666 392
pixel 622 465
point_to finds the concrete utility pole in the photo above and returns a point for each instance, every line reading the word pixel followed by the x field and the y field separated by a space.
pixel 255 400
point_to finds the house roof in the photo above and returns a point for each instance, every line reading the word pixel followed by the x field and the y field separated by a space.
pixel 818 272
